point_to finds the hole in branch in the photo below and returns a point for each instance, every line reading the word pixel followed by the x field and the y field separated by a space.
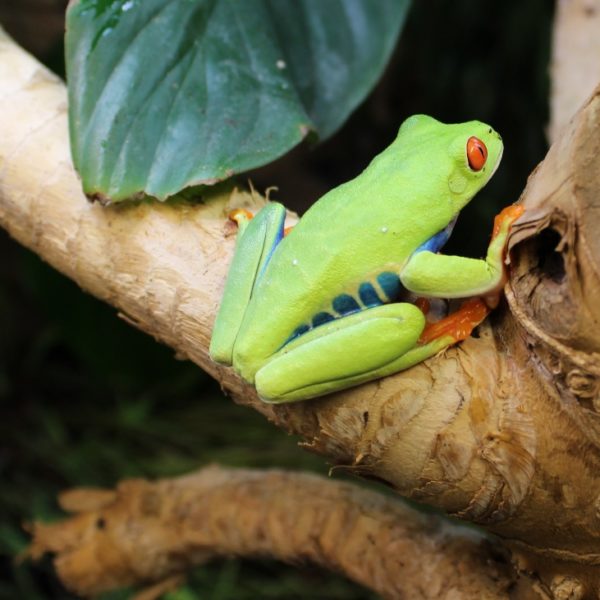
pixel 551 262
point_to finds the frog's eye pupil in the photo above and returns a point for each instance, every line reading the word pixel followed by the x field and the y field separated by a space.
pixel 476 153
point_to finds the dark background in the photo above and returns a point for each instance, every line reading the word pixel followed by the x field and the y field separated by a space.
pixel 87 400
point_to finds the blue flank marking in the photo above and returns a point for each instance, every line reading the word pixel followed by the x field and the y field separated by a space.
pixel 298 332
pixel 435 243
pixel 390 284
pixel 344 304
pixel 368 295
pixel 276 241
pixel 322 318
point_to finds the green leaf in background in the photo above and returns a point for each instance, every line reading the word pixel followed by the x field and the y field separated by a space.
pixel 165 94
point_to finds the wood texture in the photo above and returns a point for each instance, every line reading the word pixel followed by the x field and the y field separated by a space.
pixel 575 66
pixel 147 531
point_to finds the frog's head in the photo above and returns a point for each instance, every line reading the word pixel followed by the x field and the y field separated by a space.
pixel 462 156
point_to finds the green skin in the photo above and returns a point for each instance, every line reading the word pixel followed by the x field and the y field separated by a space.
pixel 375 223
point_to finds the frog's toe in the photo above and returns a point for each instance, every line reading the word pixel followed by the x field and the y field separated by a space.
pixel 240 215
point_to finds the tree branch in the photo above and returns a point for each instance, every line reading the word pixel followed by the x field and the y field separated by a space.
pixel 575 67
pixel 145 532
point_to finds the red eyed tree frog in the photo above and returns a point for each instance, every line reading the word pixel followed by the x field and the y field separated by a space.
pixel 317 310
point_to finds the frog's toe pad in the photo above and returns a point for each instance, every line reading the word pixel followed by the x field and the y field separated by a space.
pixel 507 216
pixel 239 215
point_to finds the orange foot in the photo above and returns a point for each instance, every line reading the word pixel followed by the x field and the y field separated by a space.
pixel 287 230
pixel 240 214
pixel 509 213
pixel 459 324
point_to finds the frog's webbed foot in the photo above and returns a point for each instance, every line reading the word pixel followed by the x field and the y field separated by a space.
pixel 459 325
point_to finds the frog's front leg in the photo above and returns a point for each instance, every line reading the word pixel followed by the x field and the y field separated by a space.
pixel 257 238
pixel 426 273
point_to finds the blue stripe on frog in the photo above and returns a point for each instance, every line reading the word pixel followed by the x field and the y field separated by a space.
pixel 298 332
pixel 301 330
pixel 276 242
pixel 368 295
pixel 390 284
pixel 435 243
pixel 344 304
pixel 322 318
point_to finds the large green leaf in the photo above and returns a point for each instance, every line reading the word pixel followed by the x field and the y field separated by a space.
pixel 165 94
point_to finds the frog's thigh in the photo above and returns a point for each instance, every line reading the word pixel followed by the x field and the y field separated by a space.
pixel 352 350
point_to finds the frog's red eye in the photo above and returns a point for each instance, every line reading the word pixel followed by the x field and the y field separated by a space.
pixel 476 153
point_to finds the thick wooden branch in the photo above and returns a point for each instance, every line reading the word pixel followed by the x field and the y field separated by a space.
pixel 501 431
pixel 145 532
pixel 575 67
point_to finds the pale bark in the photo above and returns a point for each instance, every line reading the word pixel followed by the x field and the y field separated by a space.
pixel 575 68
pixel 501 431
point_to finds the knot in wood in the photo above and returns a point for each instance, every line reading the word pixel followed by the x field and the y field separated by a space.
pixel 566 588
pixel 583 385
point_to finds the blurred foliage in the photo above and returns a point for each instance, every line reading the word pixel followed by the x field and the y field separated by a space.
pixel 85 399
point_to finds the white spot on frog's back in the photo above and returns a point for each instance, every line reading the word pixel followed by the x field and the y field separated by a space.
pixel 384 229
pixel 127 5
pixel 295 262
pixel 281 64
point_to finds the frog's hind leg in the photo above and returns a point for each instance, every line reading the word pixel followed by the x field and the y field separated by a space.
pixel 345 352
pixel 257 238
pixel 361 347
